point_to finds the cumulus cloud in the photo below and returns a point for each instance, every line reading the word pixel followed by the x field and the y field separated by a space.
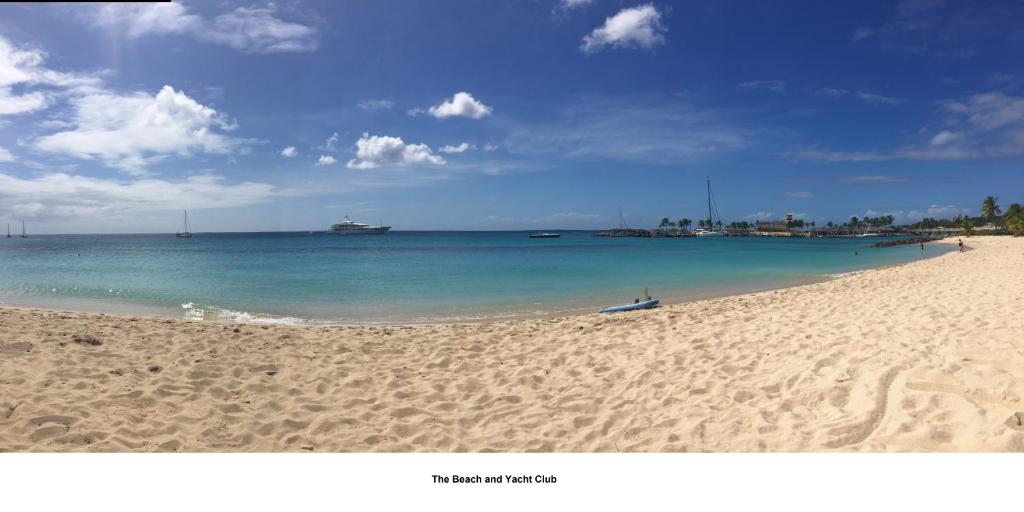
pixel 459 148
pixel 634 27
pixel 25 68
pixel 289 152
pixel 131 131
pixel 60 195
pixel 761 215
pixel 326 160
pixel 249 29
pixel 6 156
pixel 374 151
pixel 375 105
pixel 769 85
pixel 462 104
pixel 937 211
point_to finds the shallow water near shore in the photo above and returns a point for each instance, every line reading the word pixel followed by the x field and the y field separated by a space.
pixel 407 276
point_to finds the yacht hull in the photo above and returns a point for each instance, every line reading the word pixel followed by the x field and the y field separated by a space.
pixel 380 230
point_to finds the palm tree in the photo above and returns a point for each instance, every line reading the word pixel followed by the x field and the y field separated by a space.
pixel 683 223
pixel 989 208
pixel 1014 219
pixel 968 226
pixel 1013 210
pixel 664 222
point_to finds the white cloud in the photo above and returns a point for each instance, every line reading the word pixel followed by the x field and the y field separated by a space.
pixel 866 97
pixel 572 4
pixel 830 92
pixel 24 68
pixel 934 211
pixel 862 33
pixel 331 142
pixel 491 147
pixel 878 99
pixel 461 104
pixel 635 27
pixel 139 19
pixel 374 151
pixel 575 216
pixel 375 105
pixel 460 148
pixel 761 215
pixel 6 156
pixel 651 130
pixel 873 179
pixel 256 30
pixel 249 29
pixel 943 137
pixel 289 152
pixel 131 131
pixel 988 111
pixel 325 160
pixel 770 85
pixel 21 104
pixel 60 195
pixel 986 125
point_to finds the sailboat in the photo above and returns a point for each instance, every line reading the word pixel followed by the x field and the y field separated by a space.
pixel 8 230
pixel 23 235
pixel 710 229
pixel 186 233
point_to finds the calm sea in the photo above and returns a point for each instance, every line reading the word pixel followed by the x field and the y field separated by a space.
pixel 405 276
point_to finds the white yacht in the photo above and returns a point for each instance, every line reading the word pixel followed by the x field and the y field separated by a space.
pixel 351 227
pixel 710 229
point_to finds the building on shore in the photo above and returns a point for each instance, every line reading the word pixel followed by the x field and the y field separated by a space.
pixel 781 227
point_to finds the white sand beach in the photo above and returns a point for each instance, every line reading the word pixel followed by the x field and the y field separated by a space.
pixel 926 356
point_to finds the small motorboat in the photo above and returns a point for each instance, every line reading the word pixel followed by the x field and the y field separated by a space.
pixel 544 235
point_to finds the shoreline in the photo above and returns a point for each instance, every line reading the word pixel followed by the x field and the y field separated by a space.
pixel 921 356
pixel 502 315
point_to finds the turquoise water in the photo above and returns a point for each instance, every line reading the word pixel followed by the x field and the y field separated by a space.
pixel 405 276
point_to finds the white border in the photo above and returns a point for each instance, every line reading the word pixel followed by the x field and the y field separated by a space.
pixel 286 482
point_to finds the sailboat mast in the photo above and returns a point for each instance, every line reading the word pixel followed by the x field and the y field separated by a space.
pixel 711 220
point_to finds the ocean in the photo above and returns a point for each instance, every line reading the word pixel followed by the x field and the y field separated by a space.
pixel 407 276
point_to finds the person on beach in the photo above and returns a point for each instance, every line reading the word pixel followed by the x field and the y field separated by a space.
pixel 922 246
pixel 960 242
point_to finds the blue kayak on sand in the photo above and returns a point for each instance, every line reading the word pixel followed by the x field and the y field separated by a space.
pixel 647 304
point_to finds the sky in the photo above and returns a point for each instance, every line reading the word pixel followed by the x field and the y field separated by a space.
pixel 505 114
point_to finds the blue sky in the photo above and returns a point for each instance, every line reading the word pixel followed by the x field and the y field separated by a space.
pixel 504 114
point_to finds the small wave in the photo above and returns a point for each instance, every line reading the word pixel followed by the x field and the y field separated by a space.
pixel 847 274
pixel 203 312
